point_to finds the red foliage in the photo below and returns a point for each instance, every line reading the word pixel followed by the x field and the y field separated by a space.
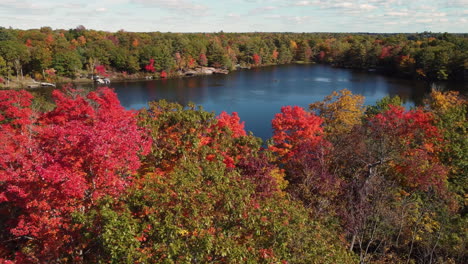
pixel 303 153
pixel 257 59
pixel 275 54
pixel 259 170
pixel 114 39
pixel 50 72
pixel 416 141
pixel 322 55
pixel 294 127
pixel 14 111
pixel 101 70
pixel 406 125
pixel 202 60
pixel 385 52
pixel 266 253
pixel 163 74
pixel 62 161
pixel 307 53
pixel 191 63
pixel 420 168
pixel 150 66
pixel 28 43
pixel 49 39
pixel 232 122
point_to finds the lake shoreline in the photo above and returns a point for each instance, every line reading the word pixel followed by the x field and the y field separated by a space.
pixel 119 77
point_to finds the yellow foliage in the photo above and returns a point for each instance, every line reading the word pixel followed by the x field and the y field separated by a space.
pixel 278 175
pixel 182 232
pixel 421 72
pixel 293 44
pixel 407 61
pixel 442 101
pixel 38 76
pixel 340 111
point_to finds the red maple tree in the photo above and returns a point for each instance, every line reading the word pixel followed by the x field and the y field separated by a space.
pixel 232 122
pixel 150 66
pixel 294 127
pixel 256 59
pixel 57 162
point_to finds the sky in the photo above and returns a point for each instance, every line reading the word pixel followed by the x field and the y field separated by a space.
pixel 239 15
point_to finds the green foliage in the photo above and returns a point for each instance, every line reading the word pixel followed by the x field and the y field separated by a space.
pixel 216 55
pixel 203 212
pixel 424 56
pixel 450 111
pixel 4 69
pixel 162 55
pixel 67 63
pixel 15 54
pixel 112 232
pixel 383 105
pixel 41 58
pixel 6 34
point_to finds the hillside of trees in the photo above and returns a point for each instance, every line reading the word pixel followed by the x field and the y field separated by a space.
pixel 51 55
pixel 90 182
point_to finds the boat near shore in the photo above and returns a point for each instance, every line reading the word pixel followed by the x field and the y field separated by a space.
pixel 36 84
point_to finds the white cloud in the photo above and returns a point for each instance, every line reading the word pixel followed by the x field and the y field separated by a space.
pixel 269 8
pixel 272 16
pixel 298 19
pixel 394 13
pixel 245 15
pixel 456 3
pixel 426 20
pixel 344 4
pixel 175 5
pixel 367 7
pixel 306 3
pixel 261 10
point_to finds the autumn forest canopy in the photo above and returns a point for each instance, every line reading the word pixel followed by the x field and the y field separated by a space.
pixel 87 181
pixel 61 55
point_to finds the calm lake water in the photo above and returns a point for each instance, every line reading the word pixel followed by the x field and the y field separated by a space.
pixel 257 94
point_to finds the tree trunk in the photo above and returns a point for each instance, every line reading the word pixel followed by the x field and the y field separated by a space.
pixel 351 247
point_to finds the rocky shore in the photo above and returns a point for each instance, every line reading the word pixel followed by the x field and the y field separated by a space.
pixel 30 83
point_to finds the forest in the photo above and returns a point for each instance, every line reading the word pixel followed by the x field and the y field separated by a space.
pixel 64 55
pixel 83 180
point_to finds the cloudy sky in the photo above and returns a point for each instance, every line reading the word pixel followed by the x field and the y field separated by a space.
pixel 239 15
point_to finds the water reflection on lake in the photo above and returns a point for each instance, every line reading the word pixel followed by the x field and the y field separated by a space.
pixel 258 94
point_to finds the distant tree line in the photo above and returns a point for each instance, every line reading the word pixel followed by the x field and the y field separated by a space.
pixel 45 54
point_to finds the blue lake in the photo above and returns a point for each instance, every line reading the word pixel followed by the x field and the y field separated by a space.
pixel 257 94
